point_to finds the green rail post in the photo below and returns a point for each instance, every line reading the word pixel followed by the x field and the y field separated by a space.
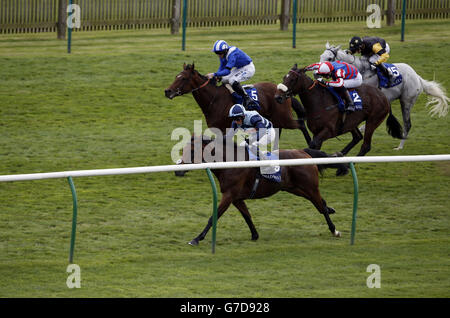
pixel 355 202
pixel 294 24
pixel 214 216
pixel 69 32
pixel 403 20
pixel 74 219
pixel 183 41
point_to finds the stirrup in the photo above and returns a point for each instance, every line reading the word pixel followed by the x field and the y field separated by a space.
pixel 350 109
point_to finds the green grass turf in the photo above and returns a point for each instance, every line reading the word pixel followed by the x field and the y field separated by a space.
pixel 103 106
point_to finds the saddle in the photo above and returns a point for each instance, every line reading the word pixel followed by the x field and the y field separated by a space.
pixel 383 81
pixel 251 91
pixel 357 101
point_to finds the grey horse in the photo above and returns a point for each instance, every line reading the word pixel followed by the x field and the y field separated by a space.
pixel 407 92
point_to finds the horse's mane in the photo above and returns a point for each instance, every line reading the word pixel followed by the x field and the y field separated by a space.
pixel 191 67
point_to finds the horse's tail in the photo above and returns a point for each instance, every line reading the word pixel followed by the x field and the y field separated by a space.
pixel 393 126
pixel 342 168
pixel 438 103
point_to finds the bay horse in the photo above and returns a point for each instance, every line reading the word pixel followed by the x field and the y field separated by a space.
pixel 216 101
pixel 326 121
pixel 237 185
pixel 406 92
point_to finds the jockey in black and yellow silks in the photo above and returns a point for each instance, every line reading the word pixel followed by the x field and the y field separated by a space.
pixel 375 49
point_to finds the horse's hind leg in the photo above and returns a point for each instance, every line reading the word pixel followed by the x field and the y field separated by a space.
pixel 406 105
pixel 320 204
pixel 223 206
pixel 242 207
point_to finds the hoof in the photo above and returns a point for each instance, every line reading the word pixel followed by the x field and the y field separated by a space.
pixel 194 242
pixel 337 154
pixel 255 237
pixel 180 173
pixel 342 172
pixel 336 233
pixel 331 211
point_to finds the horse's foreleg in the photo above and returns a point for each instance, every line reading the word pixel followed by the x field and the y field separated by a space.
pixel 242 207
pixel 304 130
pixel 223 206
pixel 357 136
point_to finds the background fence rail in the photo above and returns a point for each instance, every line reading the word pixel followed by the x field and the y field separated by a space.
pixel 20 16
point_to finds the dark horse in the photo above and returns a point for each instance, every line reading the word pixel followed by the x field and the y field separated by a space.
pixel 216 101
pixel 237 184
pixel 326 121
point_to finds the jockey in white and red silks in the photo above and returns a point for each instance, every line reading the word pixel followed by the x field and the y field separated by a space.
pixel 343 76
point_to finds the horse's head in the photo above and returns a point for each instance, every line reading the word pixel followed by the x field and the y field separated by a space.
pixel 185 82
pixel 330 53
pixel 291 85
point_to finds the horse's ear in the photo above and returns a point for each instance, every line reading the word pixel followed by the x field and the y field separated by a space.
pixel 338 47
pixel 327 46
pixel 295 66
pixel 184 66
pixel 192 65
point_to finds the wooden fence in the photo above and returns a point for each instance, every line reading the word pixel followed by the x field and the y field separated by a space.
pixel 17 16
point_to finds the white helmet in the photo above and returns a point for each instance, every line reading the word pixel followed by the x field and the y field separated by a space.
pixel 325 68
pixel 220 46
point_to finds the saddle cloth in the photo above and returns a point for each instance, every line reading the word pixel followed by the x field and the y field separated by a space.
pixel 357 101
pixel 272 173
pixel 252 92
pixel 383 81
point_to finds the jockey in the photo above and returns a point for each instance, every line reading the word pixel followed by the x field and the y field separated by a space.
pixel 235 67
pixel 375 49
pixel 343 76
pixel 261 129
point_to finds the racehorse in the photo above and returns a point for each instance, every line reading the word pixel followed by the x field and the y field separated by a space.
pixel 407 91
pixel 326 121
pixel 216 101
pixel 237 185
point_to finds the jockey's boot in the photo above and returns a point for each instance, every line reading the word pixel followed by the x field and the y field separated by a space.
pixel 386 73
pixel 349 105
pixel 248 102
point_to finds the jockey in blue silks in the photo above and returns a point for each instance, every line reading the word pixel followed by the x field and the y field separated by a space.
pixel 261 130
pixel 344 76
pixel 235 67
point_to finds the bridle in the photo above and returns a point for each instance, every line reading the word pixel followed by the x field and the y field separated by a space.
pixel 335 55
pixel 288 92
pixel 179 92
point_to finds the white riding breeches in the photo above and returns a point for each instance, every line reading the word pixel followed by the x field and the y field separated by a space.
pixel 239 74
pixel 354 82
pixel 267 137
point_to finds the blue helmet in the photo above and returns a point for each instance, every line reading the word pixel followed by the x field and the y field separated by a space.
pixel 220 46
pixel 237 111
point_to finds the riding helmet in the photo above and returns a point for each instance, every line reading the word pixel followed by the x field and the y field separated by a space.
pixel 237 111
pixel 355 44
pixel 220 47
pixel 325 68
